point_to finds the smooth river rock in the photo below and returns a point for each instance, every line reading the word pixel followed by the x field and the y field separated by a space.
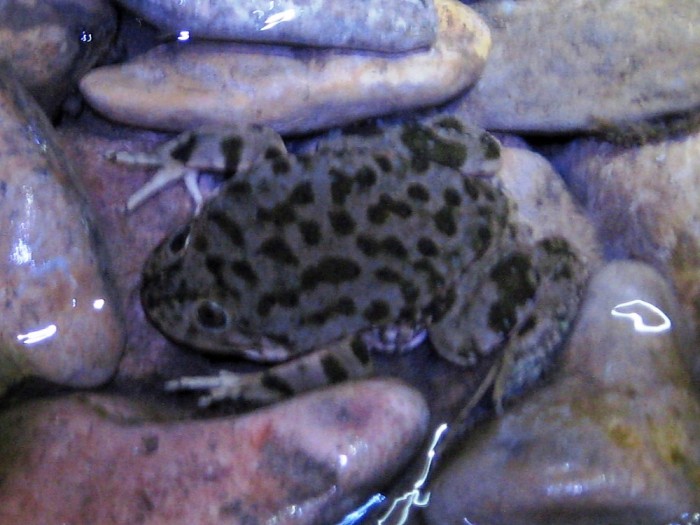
pixel 50 44
pixel 84 460
pixel 616 437
pixel 401 25
pixel 291 89
pixel 645 204
pixel 57 316
pixel 584 64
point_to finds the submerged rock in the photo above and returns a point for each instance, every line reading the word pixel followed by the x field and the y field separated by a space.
pixel 616 439
pixel 584 64
pixel 50 44
pixel 291 89
pixel 401 25
pixel 57 317
pixel 85 460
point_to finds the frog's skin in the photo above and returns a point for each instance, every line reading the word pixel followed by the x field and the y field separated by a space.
pixel 362 244
pixel 220 150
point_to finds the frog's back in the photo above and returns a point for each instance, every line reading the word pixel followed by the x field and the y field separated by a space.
pixel 305 250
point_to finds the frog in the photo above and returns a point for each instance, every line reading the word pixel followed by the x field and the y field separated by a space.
pixel 310 262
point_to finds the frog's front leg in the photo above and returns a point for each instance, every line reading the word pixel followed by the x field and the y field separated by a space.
pixel 519 315
pixel 344 360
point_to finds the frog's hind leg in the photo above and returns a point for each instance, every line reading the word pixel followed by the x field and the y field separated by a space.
pixel 347 359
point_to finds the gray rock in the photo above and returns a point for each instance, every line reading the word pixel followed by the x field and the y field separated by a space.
pixel 616 439
pixel 584 64
pixel 89 459
pixel 291 89
pixel 57 316
pixel 50 44
pixel 402 25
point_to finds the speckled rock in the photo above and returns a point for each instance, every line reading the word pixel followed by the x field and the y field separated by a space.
pixel 87 460
pixel 576 65
pixel 645 203
pixel 293 90
pixel 616 439
pixel 50 44
pixel 57 318
pixel 402 25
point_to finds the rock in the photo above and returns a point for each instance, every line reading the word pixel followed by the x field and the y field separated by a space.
pixel 616 439
pixel 85 460
pixel 544 204
pixel 582 64
pixel 58 320
pixel 293 90
pixel 644 203
pixel 51 44
pixel 403 25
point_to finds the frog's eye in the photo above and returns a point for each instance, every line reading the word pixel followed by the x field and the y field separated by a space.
pixel 179 241
pixel 211 316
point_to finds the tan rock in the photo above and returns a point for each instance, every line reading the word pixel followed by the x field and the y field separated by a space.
pixel 581 64
pixel 57 317
pixel 401 25
pixel 293 90
pixel 87 460
pixel 616 439
pixel 50 44
pixel 645 204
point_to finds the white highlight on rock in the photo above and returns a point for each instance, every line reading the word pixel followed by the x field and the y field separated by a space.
pixel 626 310
pixel 36 336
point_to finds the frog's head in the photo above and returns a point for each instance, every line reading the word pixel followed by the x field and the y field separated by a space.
pixel 181 302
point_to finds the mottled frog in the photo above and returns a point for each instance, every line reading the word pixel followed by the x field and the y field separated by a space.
pixel 367 242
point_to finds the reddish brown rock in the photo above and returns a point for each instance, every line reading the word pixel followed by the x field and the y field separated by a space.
pixel 86 460
pixel 57 316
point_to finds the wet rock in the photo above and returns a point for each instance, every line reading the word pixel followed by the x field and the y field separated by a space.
pixel 582 64
pixel 544 203
pixel 293 90
pixel 616 439
pixel 50 44
pixel 85 460
pixel 402 25
pixel 644 203
pixel 58 320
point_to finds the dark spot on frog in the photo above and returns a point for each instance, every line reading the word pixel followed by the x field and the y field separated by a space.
pixel 341 222
pixel 418 192
pixel 410 294
pixel 377 311
pixel 450 123
pixel 273 152
pixel 388 275
pixel 277 384
pixel 517 283
pixel 281 165
pixel 365 177
pixel 214 264
pixel 200 243
pixel 443 305
pixel 481 240
pixel 302 194
pixel 211 316
pixel 445 221
pixel 277 249
pixel 490 146
pixel 368 245
pixel 227 225
pixel 280 214
pixel 427 247
pixel 470 188
pixel 378 213
pixel 426 146
pixel 435 278
pixel 452 197
pixel 231 148
pixel 333 369
pixel 341 186
pixel 235 189
pixel 332 270
pixel 360 350
pixel 245 271
pixel 529 324
pixel 183 152
pixel 383 162
pixel 343 306
pixel 310 232
pixel 393 246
